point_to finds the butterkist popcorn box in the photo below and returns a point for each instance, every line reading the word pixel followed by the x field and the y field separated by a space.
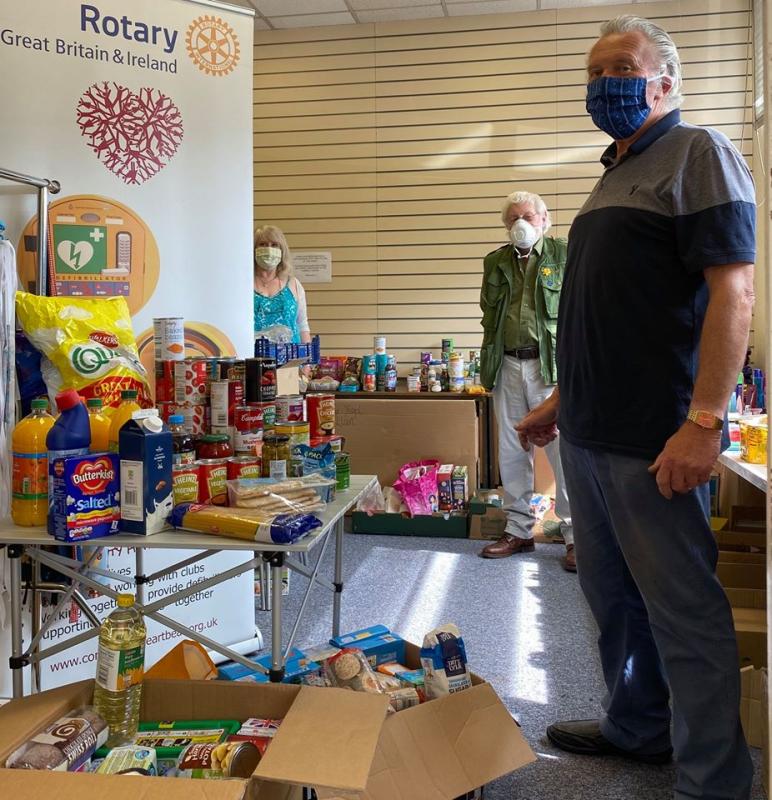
pixel 339 742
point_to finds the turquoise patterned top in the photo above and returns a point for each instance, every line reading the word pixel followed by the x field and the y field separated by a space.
pixel 281 309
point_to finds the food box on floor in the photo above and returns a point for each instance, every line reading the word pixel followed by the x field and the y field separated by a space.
pixel 752 713
pixel 750 625
pixel 337 741
pixel 742 570
pixel 451 525
pixel 368 426
pixel 486 521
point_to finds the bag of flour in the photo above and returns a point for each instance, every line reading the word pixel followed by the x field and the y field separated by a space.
pixel 443 658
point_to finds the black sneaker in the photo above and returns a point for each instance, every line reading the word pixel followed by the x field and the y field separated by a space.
pixel 583 736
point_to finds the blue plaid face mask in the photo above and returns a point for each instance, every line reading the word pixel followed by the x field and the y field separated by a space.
pixel 618 105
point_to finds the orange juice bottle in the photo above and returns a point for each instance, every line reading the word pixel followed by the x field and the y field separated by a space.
pixel 122 415
pixel 29 500
pixel 99 424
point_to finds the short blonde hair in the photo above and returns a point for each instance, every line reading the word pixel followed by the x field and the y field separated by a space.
pixel 270 234
pixel 518 198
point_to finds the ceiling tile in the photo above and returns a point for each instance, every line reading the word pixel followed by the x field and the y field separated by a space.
pixel 395 14
pixel 464 7
pixel 261 24
pixel 310 20
pixel 576 3
pixel 269 8
pixel 380 5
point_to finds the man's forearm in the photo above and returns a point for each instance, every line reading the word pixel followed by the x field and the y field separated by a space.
pixel 724 341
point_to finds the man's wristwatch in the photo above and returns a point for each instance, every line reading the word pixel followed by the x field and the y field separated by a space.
pixel 705 419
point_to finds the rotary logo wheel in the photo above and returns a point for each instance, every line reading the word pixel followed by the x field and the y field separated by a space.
pixel 212 45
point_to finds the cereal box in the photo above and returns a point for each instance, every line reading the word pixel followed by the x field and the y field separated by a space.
pixel 460 488
pixel 86 500
pixel 445 487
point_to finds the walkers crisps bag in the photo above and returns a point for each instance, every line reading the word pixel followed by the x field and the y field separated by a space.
pixel 87 344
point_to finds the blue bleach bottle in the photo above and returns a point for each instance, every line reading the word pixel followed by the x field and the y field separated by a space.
pixel 69 436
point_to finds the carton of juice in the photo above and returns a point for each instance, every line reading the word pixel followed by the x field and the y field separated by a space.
pixel 445 487
pixel 460 488
pixel 145 448
pixel 85 497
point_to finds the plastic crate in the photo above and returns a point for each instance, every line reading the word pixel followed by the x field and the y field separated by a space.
pixel 285 353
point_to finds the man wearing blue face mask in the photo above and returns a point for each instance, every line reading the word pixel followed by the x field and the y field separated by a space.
pixel 654 322
pixel 519 300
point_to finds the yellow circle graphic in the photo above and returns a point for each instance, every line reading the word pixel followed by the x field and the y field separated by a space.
pixel 99 248
pixel 212 45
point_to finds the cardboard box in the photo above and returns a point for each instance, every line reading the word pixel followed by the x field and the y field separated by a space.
pixel 489 525
pixel 750 626
pixel 337 741
pixel 752 713
pixel 742 570
pixel 752 519
pixel 765 732
pixel 382 435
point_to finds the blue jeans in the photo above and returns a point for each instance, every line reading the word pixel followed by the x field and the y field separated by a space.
pixel 647 569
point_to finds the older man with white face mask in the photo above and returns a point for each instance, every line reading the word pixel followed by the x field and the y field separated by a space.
pixel 519 299
pixel 653 329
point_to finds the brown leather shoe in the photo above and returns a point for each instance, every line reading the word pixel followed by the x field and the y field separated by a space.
pixel 507 546
pixel 569 559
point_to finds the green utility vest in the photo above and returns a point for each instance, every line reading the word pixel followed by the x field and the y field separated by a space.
pixel 496 295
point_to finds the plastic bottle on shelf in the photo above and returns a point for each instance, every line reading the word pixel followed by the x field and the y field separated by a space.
pixel 29 496
pixel 99 424
pixel 122 415
pixel 183 446
pixel 120 670
pixel 70 435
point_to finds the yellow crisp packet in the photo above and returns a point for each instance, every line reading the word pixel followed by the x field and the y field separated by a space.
pixel 88 345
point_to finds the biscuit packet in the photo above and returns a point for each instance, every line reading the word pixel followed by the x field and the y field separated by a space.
pixel 350 669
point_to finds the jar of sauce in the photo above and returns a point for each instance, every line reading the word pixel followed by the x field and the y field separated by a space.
pixel 214 445
pixel 276 455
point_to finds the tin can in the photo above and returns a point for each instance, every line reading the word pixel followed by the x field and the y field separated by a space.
pixel 298 432
pixel 426 358
pixel 268 411
pixel 456 363
pixel 260 380
pixel 243 467
pixel 215 761
pixel 448 345
pixel 379 344
pixel 191 381
pixel 224 397
pixel 164 381
pixel 342 471
pixel 166 409
pixel 212 487
pixel 226 368
pixel 335 442
pixel 248 430
pixel 289 408
pixel 185 479
pixel 321 414
pixel 196 417
pixel 169 338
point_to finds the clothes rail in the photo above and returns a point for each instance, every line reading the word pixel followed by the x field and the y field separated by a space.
pixel 44 187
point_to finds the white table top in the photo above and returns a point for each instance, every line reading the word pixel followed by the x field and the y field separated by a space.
pixel 187 540
pixel 755 474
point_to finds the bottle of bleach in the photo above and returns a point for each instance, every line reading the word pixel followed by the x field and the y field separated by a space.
pixel 69 436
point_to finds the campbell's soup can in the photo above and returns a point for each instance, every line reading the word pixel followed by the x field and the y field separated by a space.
pixel 335 442
pixel 248 430
pixel 185 479
pixel 169 338
pixel 212 481
pixel 290 408
pixel 321 414
pixel 244 467
pixel 164 381
pixel 191 381
pixel 196 417
pixel 260 380
pixel 268 411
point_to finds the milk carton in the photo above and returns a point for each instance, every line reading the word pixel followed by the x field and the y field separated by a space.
pixel 145 449
pixel 460 488
pixel 85 496
pixel 445 487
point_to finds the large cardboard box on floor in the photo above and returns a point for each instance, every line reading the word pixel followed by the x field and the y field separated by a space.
pixel 382 435
pixel 339 742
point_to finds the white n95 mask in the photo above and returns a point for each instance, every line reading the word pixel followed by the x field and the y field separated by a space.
pixel 268 257
pixel 523 234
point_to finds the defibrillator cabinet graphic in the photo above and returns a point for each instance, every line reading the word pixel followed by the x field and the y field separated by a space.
pixel 99 248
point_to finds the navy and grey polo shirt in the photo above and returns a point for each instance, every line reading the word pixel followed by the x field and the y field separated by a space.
pixel 634 296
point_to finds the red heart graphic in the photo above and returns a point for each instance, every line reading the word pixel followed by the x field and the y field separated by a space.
pixel 133 135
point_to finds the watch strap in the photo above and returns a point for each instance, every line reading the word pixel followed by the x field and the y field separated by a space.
pixel 705 419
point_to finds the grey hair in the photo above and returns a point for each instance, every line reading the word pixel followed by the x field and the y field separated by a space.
pixel 270 233
pixel 516 198
pixel 665 47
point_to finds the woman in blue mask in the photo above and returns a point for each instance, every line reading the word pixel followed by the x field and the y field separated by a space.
pixel 279 297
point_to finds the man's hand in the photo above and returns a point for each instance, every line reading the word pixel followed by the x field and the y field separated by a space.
pixel 687 459
pixel 539 427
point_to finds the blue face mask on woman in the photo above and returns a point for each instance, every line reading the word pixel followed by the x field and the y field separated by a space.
pixel 618 105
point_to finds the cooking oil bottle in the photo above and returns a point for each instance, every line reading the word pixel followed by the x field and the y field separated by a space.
pixel 120 669
pixel 29 500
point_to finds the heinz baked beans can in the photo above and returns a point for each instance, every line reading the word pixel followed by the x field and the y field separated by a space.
pixel 290 408
pixel 244 467
pixel 169 338
pixel 185 483
pixel 191 381
pixel 321 414
pixel 164 381
pixel 260 380
pixel 212 486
